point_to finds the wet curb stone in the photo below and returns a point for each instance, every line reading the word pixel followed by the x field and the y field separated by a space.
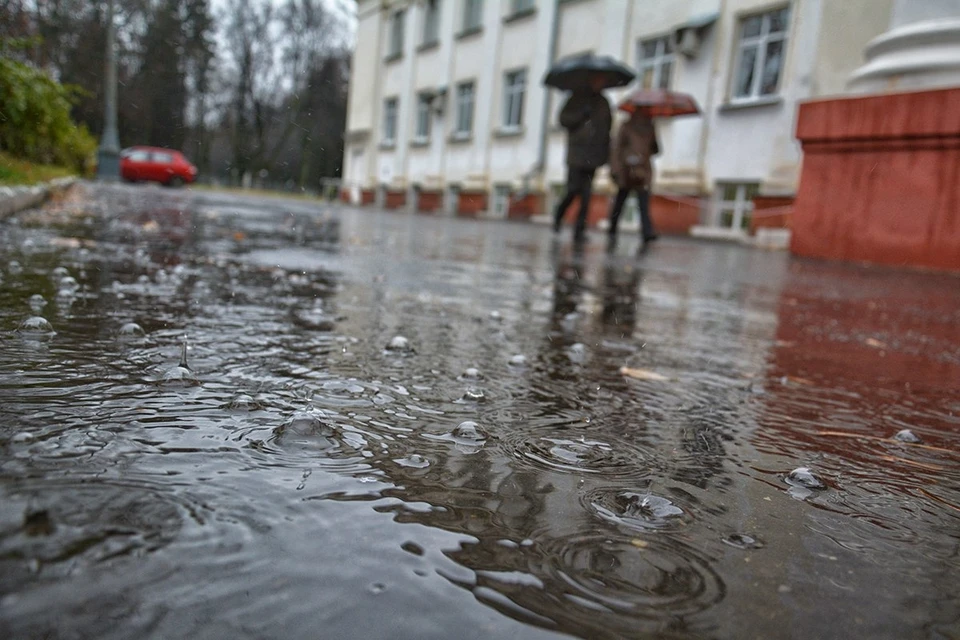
pixel 15 199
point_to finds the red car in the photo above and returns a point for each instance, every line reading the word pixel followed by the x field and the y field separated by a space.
pixel 153 164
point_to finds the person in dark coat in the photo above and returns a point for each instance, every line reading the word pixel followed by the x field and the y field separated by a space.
pixel 586 117
pixel 631 168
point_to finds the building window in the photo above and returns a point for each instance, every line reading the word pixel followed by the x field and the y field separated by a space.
pixel 760 53
pixel 522 6
pixel 655 63
pixel 472 15
pixel 466 95
pixel 390 121
pixel 514 86
pixel 735 204
pixel 431 23
pixel 422 133
pixel 395 48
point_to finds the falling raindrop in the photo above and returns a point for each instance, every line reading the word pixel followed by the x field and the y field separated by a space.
pixel 905 435
pixel 181 374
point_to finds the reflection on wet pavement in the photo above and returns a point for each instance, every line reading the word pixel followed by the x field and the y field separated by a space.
pixel 248 418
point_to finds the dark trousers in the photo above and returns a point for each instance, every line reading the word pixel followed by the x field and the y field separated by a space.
pixel 643 199
pixel 579 185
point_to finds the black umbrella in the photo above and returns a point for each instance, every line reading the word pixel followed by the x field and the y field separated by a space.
pixel 580 72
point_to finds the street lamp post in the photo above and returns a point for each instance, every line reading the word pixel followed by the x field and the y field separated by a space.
pixel 108 154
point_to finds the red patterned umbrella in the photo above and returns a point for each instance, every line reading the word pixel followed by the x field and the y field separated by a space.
pixel 660 103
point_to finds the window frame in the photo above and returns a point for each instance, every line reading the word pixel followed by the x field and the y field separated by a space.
pixel 391 140
pixel 741 206
pixel 459 101
pixel 760 41
pixel 469 22
pixel 395 38
pixel 430 30
pixel 509 92
pixel 422 115
pixel 665 55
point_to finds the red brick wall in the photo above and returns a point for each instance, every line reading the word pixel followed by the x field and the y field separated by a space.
pixel 674 215
pixel 599 210
pixel 368 196
pixel 881 179
pixel 395 199
pixel 430 201
pixel 472 203
pixel 529 205
pixel 771 213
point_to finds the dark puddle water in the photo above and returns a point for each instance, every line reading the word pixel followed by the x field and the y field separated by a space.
pixel 562 443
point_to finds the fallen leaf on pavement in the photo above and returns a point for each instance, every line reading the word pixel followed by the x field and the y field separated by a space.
pixel 642 374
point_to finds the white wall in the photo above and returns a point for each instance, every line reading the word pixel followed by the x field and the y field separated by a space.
pixel 746 143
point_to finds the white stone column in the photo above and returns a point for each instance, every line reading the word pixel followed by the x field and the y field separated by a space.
pixel 920 51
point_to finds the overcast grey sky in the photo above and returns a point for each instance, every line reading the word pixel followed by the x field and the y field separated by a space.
pixel 345 9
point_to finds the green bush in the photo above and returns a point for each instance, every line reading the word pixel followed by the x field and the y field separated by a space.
pixel 35 119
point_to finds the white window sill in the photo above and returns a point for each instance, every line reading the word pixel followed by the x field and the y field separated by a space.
pixel 388 145
pixel 420 142
pixel 509 132
pixel 461 137
pixel 747 103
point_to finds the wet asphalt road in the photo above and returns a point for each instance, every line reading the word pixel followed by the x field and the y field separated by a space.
pixel 398 425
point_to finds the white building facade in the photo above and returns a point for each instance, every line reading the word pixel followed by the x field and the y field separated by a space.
pixel 447 111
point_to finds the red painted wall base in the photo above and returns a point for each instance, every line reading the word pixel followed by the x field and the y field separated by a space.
pixel 881 179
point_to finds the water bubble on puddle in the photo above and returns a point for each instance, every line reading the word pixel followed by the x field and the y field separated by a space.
pixel 130 331
pixel 474 395
pixel 377 588
pixel 518 360
pixel 414 461
pixel 308 428
pixel 577 352
pixel 905 435
pixel 467 437
pixel 37 303
pixel 14 268
pixel 803 478
pixel 648 507
pixel 398 343
pixel 743 541
pixel 36 327
pixel 23 436
pixel 58 273
pixel 496 316
pixel 68 283
pixel 243 402
pixel 472 373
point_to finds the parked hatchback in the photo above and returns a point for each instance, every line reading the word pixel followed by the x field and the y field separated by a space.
pixel 153 164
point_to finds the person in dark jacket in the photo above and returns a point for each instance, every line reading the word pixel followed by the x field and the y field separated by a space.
pixel 632 169
pixel 586 117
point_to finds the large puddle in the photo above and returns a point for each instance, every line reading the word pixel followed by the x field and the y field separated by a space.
pixel 229 418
